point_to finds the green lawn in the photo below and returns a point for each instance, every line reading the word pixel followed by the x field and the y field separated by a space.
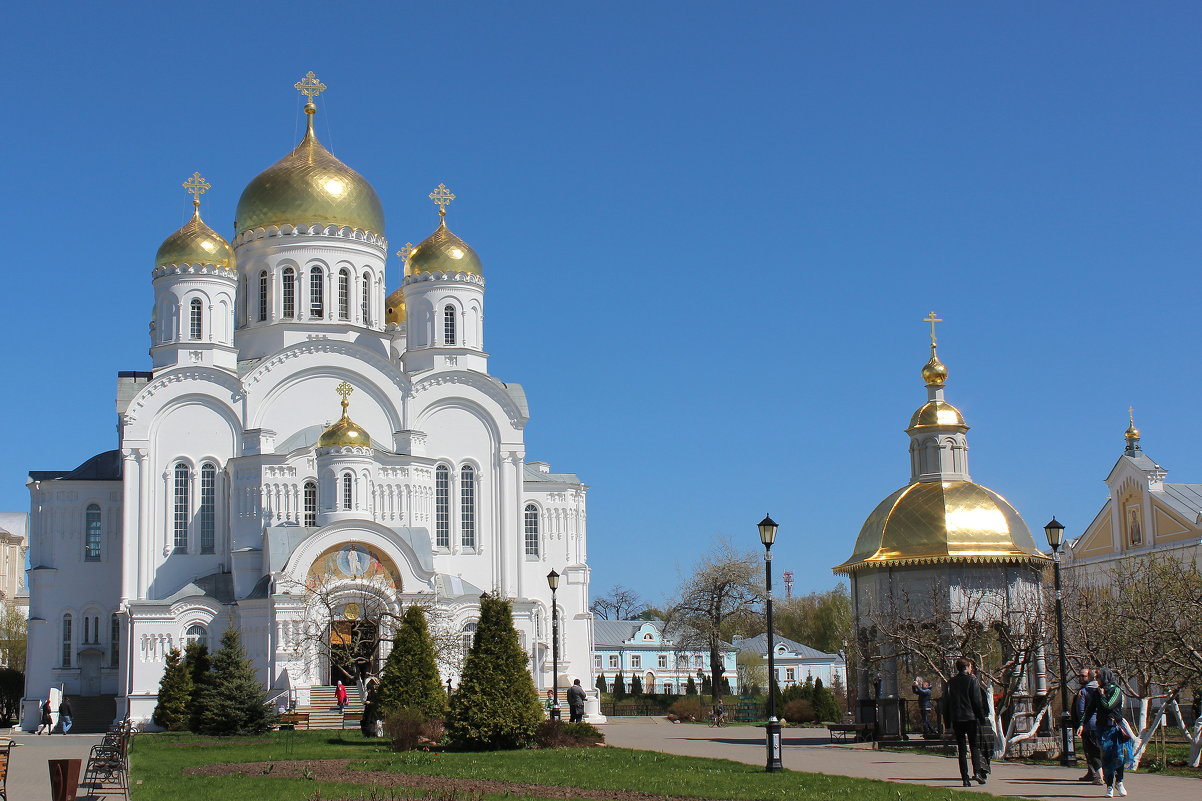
pixel 159 759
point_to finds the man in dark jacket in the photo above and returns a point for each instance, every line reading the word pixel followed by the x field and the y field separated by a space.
pixel 965 712
pixel 1089 728
pixel 576 698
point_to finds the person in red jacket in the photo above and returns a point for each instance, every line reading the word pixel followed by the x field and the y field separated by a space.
pixel 340 694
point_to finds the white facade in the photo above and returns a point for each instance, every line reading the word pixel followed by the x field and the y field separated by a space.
pixel 220 503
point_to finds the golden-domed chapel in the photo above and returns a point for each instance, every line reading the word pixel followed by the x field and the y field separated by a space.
pixel 316 445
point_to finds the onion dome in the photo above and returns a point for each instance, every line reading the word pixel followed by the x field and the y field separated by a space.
pixel 345 432
pixel 937 413
pixel 309 186
pixel 942 521
pixel 934 372
pixel 1132 433
pixel 442 251
pixel 195 242
pixel 394 307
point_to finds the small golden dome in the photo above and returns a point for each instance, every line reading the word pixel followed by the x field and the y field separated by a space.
pixel 345 432
pixel 195 243
pixel 934 371
pixel 937 413
pixel 309 186
pixel 394 307
pixel 1132 432
pixel 443 252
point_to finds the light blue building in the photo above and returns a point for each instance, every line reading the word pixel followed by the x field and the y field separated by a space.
pixel 640 648
pixel 795 662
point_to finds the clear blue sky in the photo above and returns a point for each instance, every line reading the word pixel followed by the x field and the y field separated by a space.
pixel 710 232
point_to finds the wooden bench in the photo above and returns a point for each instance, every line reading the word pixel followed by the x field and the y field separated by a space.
pixel 857 732
pixel 293 720
pixel 352 720
pixel 5 752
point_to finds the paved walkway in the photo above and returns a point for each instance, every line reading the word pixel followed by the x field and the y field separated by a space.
pixel 29 777
pixel 811 750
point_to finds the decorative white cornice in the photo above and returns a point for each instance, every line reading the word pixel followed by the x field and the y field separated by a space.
pixel 479 381
pixel 157 384
pixel 345 450
pixel 269 363
pixel 314 229
pixel 463 278
pixel 217 271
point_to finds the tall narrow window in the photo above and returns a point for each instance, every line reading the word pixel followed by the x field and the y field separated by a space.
pixel 532 537
pixel 467 506
pixel 114 641
pixel 198 634
pixel 442 507
pixel 208 508
pixel 194 319
pixel 448 326
pixel 67 640
pixel 310 503
pixel 348 491
pixel 91 536
pixel 242 300
pixel 317 285
pixel 289 293
pixel 263 296
pixel 182 502
pixel 344 294
pixel 364 300
pixel 468 636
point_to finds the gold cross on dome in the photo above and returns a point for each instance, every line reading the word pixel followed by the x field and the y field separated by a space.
pixel 406 251
pixel 442 198
pixel 309 86
pixel 344 389
pixel 1131 415
pixel 196 186
pixel 932 319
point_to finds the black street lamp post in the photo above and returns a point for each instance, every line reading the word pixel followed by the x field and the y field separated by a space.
pixel 1068 757
pixel 553 583
pixel 767 536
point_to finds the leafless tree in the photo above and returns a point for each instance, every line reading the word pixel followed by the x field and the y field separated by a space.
pixel 620 604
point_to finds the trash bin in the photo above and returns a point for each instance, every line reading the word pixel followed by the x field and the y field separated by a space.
pixel 64 779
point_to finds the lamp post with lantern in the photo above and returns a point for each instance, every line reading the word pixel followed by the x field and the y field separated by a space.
pixel 1068 758
pixel 553 583
pixel 768 528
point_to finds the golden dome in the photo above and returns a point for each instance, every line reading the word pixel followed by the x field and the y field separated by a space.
pixel 443 252
pixel 309 186
pixel 934 371
pixel 929 522
pixel 195 243
pixel 345 432
pixel 937 413
pixel 1132 432
pixel 394 307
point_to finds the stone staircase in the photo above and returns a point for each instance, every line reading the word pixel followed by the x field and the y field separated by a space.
pixel 323 710
pixel 92 713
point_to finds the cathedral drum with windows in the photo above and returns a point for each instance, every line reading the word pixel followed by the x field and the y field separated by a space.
pixel 240 495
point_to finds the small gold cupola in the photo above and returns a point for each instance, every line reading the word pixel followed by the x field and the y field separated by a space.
pixel 1131 435
pixel 195 242
pixel 394 304
pixel 934 372
pixel 442 251
pixel 345 432
pixel 309 186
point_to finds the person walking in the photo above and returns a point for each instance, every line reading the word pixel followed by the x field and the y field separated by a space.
pixel 64 714
pixel 46 723
pixel 1088 729
pixel 923 690
pixel 340 695
pixel 576 703
pixel 965 713
pixel 1107 708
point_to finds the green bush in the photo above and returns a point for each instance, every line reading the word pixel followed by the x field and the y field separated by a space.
pixel 175 694
pixel 410 676
pixel 688 707
pixel 496 705
pixel 826 706
pixel 557 734
pixel 232 701
pixel 799 711
pixel 407 727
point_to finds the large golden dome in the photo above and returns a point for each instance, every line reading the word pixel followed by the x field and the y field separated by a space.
pixel 942 521
pixel 936 413
pixel 345 432
pixel 443 252
pixel 309 186
pixel 195 243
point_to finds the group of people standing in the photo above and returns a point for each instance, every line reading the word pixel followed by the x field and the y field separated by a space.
pixel 1105 736
pixel 576 699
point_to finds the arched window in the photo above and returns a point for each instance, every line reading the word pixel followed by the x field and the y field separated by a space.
pixel 467 506
pixel 442 507
pixel 91 536
pixel 469 634
pixel 364 298
pixel 289 294
pixel 310 503
pixel 448 326
pixel 263 296
pixel 198 634
pixel 532 538
pixel 67 640
pixel 208 507
pixel 344 294
pixel 194 319
pixel 317 302
pixel 182 503
pixel 114 641
pixel 348 491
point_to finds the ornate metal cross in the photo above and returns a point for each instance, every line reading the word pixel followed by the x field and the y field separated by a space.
pixel 196 186
pixel 309 86
pixel 932 319
pixel 406 251
pixel 442 197
pixel 344 389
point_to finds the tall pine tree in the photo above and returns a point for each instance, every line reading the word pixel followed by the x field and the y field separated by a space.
pixel 175 694
pixel 232 701
pixel 410 677
pixel 496 704
pixel 198 664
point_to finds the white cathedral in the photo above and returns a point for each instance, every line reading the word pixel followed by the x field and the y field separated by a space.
pixel 235 483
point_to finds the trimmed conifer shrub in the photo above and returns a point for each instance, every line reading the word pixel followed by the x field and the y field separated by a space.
pixel 232 701
pixel 636 685
pixel 826 708
pixel 198 665
pixel 619 684
pixel 496 705
pixel 175 694
pixel 601 683
pixel 410 676
pixel 691 687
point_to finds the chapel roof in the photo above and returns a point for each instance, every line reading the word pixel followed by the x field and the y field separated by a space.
pixel 106 466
